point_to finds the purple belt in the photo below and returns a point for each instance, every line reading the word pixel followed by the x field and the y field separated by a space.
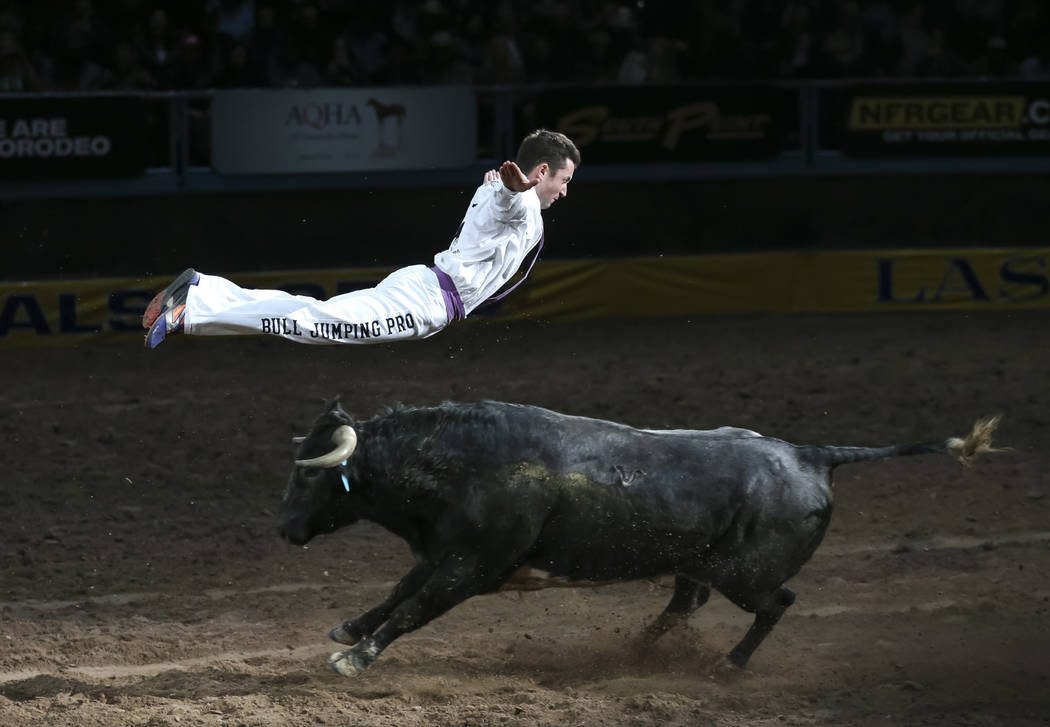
pixel 453 303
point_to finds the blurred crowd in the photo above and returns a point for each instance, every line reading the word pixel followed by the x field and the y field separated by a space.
pixel 90 45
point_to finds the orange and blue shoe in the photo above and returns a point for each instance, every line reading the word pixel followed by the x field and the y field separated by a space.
pixel 166 313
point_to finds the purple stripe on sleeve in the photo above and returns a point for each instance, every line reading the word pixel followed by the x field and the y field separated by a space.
pixel 508 291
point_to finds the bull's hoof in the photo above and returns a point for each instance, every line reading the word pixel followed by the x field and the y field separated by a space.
pixel 343 635
pixel 726 669
pixel 352 662
pixel 344 663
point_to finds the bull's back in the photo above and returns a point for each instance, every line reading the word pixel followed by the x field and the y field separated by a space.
pixel 622 502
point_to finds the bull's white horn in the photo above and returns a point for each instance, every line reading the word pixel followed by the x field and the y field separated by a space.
pixel 345 440
pixel 298 440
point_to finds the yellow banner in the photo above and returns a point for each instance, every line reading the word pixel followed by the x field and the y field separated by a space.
pixel 937 112
pixel 69 311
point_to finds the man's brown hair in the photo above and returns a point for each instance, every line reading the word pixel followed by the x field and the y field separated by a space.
pixel 544 145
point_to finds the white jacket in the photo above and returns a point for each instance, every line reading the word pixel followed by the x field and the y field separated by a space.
pixel 497 233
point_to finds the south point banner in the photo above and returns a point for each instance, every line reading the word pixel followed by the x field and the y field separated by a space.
pixel 70 311
pixel 617 124
pixel 267 131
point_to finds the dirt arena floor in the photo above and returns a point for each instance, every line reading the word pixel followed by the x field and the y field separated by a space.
pixel 142 581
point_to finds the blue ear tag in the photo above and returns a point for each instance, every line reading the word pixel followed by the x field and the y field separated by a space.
pixel 346 482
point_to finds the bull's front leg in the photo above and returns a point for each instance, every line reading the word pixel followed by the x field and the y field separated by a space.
pixel 352 631
pixel 452 582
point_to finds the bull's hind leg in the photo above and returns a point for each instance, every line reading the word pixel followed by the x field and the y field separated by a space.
pixel 768 609
pixel 689 595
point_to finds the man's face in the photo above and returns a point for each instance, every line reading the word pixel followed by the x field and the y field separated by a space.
pixel 553 183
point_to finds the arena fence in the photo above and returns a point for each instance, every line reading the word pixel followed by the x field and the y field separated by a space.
pixel 98 309
pixel 107 144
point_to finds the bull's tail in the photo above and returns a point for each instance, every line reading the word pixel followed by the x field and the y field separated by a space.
pixel 965 449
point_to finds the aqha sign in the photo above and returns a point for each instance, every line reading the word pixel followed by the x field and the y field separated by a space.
pixel 268 131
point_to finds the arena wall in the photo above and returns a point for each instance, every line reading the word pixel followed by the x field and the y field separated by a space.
pixel 318 229
pixel 977 279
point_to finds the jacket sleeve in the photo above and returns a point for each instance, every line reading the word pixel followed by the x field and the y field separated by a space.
pixel 510 206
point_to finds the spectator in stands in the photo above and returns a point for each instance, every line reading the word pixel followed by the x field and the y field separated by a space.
pixel 81 38
pixel 191 67
pixel 912 39
pixel 970 24
pixel 236 71
pixel 599 62
pixel 16 71
pixel 994 62
pixel 1028 28
pixel 1036 65
pixel 234 19
pixel 125 19
pixel 305 54
pixel 126 72
pixel 549 43
pixel 367 44
pixel 266 43
pixel 881 37
pixel 403 66
pixel 446 61
pixel 292 42
pixel 795 47
pixel 844 45
pixel 757 26
pixel 657 63
pixel 939 61
pixel 501 62
pixel 341 70
pixel 713 43
pixel 475 27
pixel 159 51
pixel 403 17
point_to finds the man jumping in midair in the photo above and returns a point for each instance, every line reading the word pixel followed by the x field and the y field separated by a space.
pixel 502 225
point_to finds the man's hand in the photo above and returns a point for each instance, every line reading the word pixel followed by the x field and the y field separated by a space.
pixel 491 176
pixel 514 179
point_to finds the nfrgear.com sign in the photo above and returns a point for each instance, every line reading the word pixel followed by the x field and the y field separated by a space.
pixel 963 120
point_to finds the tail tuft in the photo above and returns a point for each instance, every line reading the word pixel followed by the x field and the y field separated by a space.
pixel 977 442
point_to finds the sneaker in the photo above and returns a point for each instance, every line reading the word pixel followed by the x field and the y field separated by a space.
pixel 166 313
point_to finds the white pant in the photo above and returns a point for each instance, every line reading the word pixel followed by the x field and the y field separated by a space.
pixel 406 304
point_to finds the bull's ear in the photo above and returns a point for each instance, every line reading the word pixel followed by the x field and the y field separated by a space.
pixel 338 414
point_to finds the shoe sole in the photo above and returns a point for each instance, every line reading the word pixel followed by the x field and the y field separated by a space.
pixel 159 330
pixel 157 305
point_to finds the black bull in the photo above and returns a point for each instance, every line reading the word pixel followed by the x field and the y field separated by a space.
pixel 486 492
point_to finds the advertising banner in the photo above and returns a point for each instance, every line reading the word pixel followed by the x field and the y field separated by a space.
pixel 790 282
pixel 59 312
pixel 72 138
pixel 265 131
pixel 971 119
pixel 621 124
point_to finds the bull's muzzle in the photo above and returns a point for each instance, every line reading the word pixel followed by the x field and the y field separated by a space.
pixel 345 440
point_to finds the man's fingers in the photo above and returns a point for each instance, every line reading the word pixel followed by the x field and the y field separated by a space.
pixel 514 179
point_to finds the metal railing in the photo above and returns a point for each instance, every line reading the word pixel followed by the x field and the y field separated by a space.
pixel 180 134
